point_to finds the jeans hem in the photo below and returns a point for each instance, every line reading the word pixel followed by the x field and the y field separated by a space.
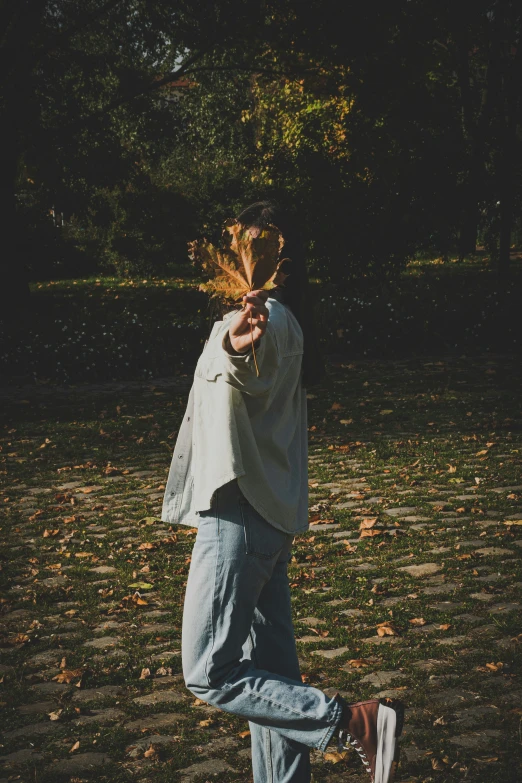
pixel 330 730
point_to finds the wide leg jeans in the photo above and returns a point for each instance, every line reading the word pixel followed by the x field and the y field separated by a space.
pixel 238 644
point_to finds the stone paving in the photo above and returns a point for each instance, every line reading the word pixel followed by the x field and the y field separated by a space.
pixel 407 584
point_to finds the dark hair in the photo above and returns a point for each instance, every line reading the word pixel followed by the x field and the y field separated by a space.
pixel 295 292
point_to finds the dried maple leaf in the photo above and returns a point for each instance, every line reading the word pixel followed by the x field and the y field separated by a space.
pixel 418 621
pixel 68 675
pixel 367 523
pixel 370 533
pixel 248 259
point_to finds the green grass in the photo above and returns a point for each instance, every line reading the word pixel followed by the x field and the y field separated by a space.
pixel 97 330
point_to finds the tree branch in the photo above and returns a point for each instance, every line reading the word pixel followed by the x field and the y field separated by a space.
pixel 60 38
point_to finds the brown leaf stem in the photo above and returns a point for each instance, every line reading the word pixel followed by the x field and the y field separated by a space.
pixel 253 347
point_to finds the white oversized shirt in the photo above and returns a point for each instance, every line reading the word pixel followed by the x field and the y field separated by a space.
pixel 239 426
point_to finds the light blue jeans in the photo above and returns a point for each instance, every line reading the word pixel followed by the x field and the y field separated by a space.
pixel 238 644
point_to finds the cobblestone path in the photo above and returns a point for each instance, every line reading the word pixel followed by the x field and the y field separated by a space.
pixel 408 582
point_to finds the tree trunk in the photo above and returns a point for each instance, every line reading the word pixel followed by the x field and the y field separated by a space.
pixel 14 283
pixel 469 228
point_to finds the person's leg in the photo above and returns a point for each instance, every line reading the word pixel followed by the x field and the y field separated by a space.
pixel 233 558
pixel 271 646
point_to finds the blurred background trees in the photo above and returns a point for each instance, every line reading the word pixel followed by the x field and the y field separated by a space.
pixel 131 126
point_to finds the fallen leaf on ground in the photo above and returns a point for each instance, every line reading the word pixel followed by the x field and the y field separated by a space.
pixel 68 675
pixel 418 621
pixel 75 746
pixel 370 533
pixel 387 629
pixel 334 757
pixel 358 663
pixel 367 523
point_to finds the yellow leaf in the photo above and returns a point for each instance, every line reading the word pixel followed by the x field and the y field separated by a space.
pixel 387 629
pixel 145 674
pixel 358 663
pixel 244 734
pixel 75 746
pixel 444 626
pixel 55 715
pixel 150 752
pixel 418 621
pixel 334 756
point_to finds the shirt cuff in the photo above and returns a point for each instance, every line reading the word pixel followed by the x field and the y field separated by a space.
pixel 231 353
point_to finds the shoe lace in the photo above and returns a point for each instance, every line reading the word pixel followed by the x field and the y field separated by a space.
pixel 343 738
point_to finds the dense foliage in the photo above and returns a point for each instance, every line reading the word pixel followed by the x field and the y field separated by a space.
pixel 132 126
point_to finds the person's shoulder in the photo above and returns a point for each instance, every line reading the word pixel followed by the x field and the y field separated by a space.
pixel 277 314
pixel 285 327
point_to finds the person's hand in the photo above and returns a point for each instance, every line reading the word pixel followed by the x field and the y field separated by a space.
pixel 254 311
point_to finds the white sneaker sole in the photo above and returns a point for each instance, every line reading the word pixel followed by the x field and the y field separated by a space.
pixel 389 727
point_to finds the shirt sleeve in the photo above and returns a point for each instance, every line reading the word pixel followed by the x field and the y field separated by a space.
pixel 239 370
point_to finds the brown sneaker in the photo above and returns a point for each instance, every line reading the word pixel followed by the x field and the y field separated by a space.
pixel 373 727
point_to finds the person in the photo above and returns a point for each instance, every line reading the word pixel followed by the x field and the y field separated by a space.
pixel 239 474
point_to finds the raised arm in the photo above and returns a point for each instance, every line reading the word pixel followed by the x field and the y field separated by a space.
pixel 237 347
